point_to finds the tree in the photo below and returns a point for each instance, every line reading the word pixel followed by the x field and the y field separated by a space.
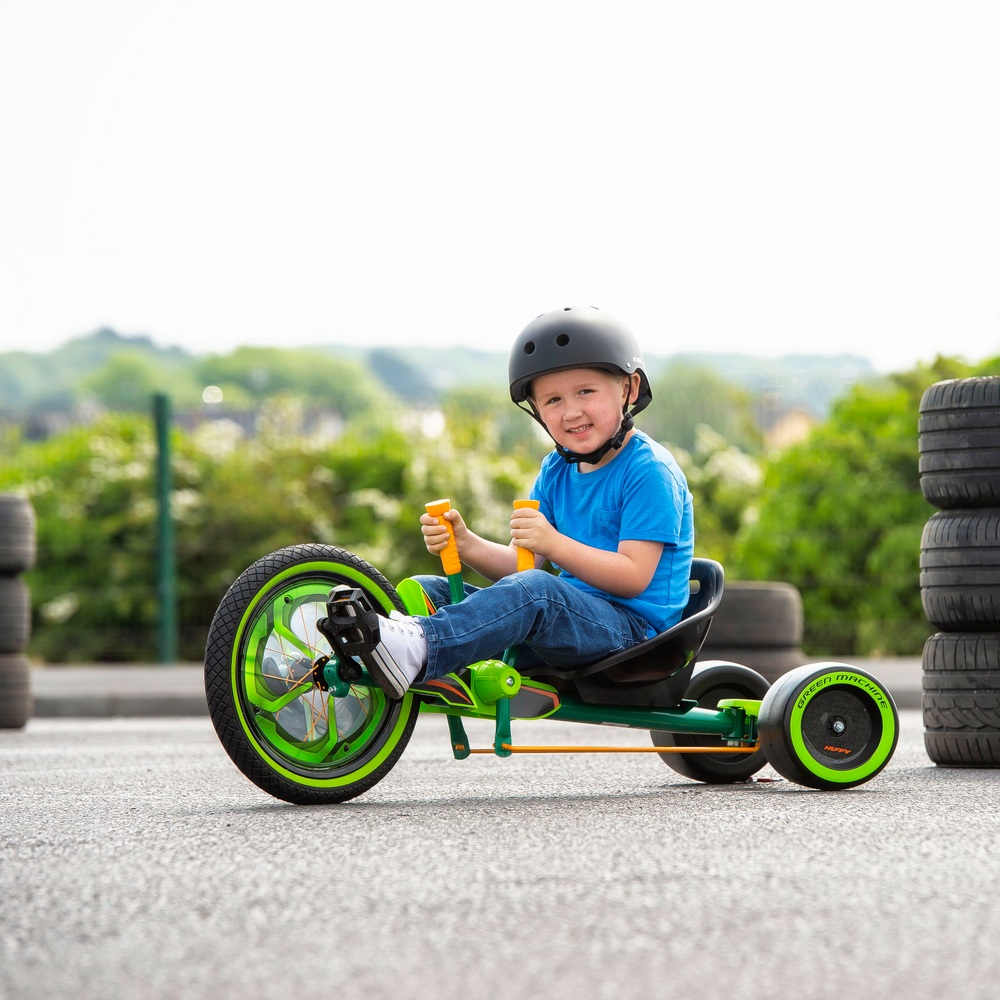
pixel 687 397
pixel 250 375
pixel 400 377
pixel 840 517
pixel 128 380
pixel 724 482
pixel 235 499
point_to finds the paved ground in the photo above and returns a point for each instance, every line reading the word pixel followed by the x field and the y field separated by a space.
pixel 178 690
pixel 137 862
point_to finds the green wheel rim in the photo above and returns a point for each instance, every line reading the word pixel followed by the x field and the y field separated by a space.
pixel 299 730
pixel 829 755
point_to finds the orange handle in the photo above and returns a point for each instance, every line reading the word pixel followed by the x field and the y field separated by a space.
pixel 525 557
pixel 449 554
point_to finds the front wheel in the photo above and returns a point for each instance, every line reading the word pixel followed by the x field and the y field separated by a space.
pixel 828 725
pixel 285 732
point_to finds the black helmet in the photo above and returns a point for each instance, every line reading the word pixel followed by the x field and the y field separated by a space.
pixel 577 337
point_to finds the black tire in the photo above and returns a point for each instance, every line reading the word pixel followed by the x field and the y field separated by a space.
pixel 954 653
pixel 710 683
pixel 769 662
pixel 15 614
pixel 17 534
pixel 960 570
pixel 15 690
pixel 757 614
pixel 961 706
pixel 800 726
pixel 960 443
pixel 289 736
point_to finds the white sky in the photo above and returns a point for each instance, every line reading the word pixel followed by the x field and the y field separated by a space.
pixel 765 177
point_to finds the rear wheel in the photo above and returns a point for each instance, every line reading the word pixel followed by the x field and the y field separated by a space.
pixel 287 734
pixel 710 683
pixel 828 725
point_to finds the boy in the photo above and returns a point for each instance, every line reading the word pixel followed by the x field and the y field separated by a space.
pixel 614 517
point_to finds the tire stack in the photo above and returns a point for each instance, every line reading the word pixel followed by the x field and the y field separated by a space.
pixel 959 433
pixel 17 555
pixel 758 625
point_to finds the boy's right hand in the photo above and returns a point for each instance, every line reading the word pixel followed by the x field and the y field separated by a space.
pixel 436 534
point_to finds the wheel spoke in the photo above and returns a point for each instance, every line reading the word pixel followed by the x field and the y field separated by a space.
pixel 290 636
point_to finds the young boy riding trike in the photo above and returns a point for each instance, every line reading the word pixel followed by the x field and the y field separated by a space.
pixel 316 667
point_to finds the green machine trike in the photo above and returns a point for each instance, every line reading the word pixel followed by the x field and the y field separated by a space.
pixel 298 714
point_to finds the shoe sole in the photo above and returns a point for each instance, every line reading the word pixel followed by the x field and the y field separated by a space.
pixel 385 673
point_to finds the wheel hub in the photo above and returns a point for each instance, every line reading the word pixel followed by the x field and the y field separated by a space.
pixel 839 727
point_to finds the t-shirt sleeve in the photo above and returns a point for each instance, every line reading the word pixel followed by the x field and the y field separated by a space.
pixel 653 504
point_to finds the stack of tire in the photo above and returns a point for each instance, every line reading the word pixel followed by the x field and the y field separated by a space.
pixel 17 555
pixel 760 625
pixel 959 435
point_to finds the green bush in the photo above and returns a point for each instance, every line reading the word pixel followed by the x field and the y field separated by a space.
pixel 234 500
pixel 840 517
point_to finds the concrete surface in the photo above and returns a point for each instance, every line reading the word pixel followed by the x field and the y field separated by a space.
pixel 137 863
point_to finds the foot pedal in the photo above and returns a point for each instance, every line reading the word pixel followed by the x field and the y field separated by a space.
pixel 350 624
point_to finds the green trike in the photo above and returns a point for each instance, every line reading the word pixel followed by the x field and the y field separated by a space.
pixel 301 718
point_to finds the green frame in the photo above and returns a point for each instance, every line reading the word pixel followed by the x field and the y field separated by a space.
pixel 489 689
pixel 472 694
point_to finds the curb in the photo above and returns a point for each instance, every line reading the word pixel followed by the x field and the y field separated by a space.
pixel 101 692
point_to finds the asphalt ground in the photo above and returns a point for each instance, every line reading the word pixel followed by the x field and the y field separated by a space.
pixel 177 690
pixel 137 862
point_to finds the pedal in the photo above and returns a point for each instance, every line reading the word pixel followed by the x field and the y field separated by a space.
pixel 350 625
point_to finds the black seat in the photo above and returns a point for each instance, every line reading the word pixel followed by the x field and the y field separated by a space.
pixel 657 671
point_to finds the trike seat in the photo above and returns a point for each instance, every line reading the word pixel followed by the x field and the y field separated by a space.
pixel 657 671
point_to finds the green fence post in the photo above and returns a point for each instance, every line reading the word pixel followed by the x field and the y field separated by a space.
pixel 166 572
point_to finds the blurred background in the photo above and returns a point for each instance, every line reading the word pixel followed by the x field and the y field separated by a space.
pixel 312 231
pixel 796 478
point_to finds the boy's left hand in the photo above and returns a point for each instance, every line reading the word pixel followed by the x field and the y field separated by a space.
pixel 531 530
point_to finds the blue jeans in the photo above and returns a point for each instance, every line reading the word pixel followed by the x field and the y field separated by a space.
pixel 549 620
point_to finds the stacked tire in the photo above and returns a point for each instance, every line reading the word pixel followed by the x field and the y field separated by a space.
pixel 17 555
pixel 959 434
pixel 759 625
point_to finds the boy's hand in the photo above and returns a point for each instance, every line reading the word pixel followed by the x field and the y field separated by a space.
pixel 436 534
pixel 531 530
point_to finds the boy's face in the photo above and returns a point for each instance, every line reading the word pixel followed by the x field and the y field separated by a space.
pixel 582 407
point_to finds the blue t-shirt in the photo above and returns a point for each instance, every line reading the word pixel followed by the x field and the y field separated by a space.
pixel 640 495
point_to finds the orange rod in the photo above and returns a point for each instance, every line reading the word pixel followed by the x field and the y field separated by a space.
pixel 525 557
pixel 450 559
pixel 557 749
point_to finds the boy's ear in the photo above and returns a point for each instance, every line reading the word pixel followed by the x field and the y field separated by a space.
pixel 633 388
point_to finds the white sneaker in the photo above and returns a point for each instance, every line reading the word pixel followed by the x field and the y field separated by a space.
pixel 400 655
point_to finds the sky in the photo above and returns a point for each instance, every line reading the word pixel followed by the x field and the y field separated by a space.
pixel 766 178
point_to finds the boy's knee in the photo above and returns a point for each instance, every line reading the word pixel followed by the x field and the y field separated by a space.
pixel 537 582
pixel 435 588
